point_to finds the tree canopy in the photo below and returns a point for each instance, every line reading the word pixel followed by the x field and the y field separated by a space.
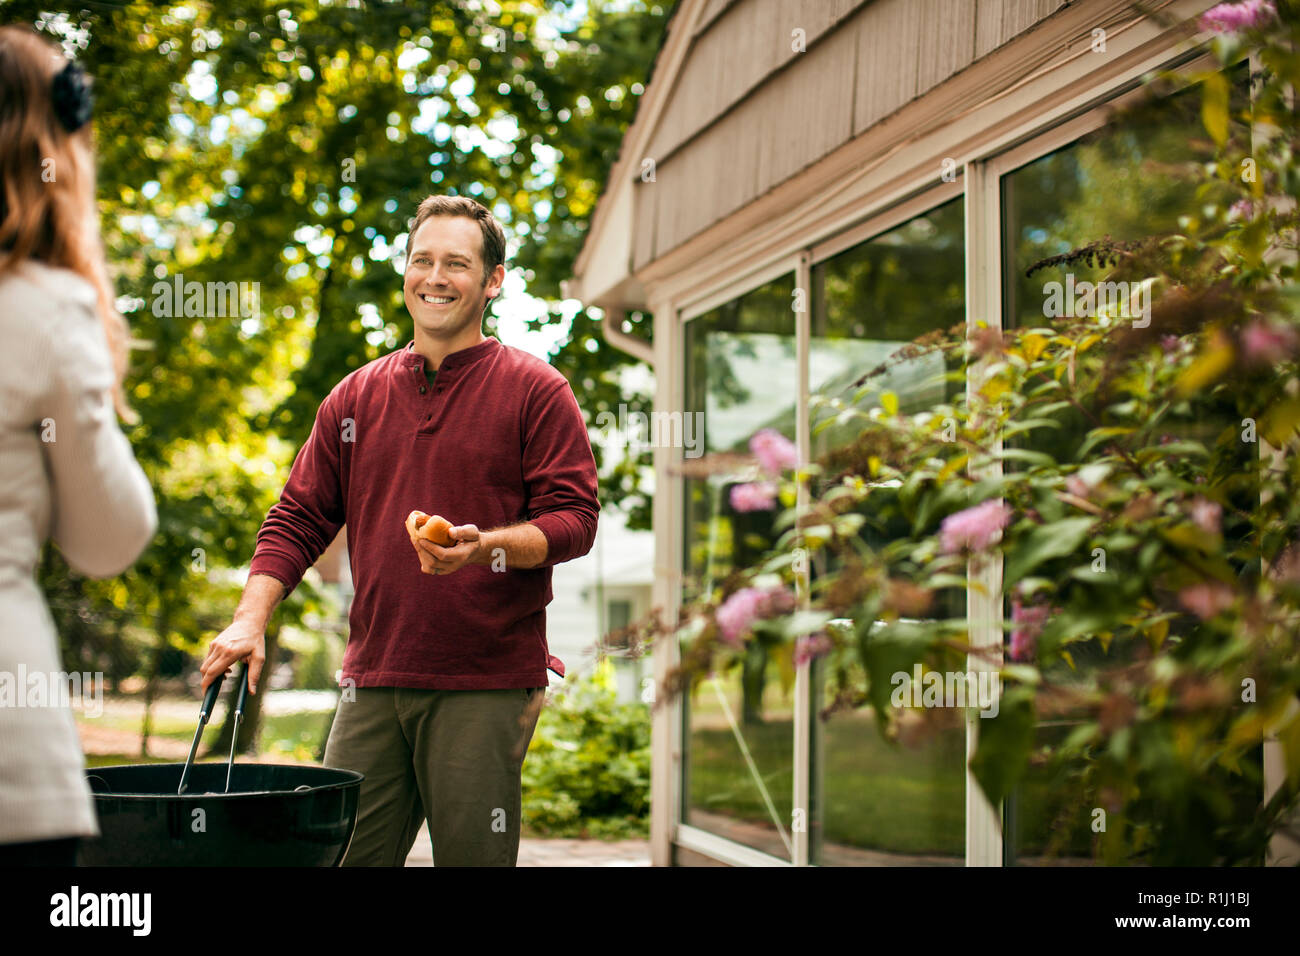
pixel 287 144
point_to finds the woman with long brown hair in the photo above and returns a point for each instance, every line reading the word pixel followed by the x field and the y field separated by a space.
pixel 66 470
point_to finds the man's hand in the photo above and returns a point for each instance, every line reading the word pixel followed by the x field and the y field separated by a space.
pixel 436 559
pixel 242 639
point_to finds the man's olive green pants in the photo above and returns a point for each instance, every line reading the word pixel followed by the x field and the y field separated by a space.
pixel 451 757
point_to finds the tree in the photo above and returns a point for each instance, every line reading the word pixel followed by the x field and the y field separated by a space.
pixel 285 145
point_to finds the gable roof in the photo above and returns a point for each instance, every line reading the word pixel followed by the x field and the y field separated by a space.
pixel 747 93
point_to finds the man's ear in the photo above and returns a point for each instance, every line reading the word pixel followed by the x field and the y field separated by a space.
pixel 498 279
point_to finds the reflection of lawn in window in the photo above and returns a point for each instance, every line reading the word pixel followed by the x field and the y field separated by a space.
pixel 894 798
pixel 878 796
pixel 720 778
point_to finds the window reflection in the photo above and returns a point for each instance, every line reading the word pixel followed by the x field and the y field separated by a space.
pixel 874 802
pixel 741 372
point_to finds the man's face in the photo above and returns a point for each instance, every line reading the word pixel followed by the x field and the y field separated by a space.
pixel 444 286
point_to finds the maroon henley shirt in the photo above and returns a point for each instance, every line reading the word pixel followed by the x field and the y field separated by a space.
pixel 497 438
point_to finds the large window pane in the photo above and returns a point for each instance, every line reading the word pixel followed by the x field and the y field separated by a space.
pixel 739 763
pixel 875 802
pixel 1118 181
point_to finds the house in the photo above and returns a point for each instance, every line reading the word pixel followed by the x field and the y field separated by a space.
pixel 601 592
pixel 807 185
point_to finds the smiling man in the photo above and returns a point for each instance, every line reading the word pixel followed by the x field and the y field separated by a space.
pixel 445 669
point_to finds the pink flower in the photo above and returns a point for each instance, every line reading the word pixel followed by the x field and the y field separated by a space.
pixel 810 646
pixel 1241 209
pixel 1077 486
pixel 755 496
pixel 739 612
pixel 1206 514
pixel 774 451
pixel 1031 619
pixel 1233 17
pixel 1267 343
pixel 975 528
pixel 1206 599
pixel 1170 343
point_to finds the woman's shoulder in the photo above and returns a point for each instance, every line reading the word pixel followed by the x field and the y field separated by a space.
pixel 46 287
pixel 49 317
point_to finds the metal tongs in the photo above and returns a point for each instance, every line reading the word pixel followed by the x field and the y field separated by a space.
pixel 209 701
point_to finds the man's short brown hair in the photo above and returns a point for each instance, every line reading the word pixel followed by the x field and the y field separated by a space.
pixel 494 237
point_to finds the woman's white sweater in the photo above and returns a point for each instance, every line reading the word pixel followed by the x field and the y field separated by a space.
pixel 66 472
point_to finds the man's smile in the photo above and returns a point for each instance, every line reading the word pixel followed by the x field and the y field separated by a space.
pixel 436 299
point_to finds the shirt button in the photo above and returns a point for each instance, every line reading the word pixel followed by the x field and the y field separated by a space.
pixel 423 389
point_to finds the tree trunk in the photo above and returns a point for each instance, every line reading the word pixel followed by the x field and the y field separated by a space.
pixel 151 684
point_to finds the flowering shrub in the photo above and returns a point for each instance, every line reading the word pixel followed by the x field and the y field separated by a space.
pixel 1139 484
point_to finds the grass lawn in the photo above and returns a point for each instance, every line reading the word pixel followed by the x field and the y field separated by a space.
pixel 297 735
pixel 876 795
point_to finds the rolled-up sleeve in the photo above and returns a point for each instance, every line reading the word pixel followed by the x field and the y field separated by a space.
pixel 560 475
pixel 104 514
pixel 308 516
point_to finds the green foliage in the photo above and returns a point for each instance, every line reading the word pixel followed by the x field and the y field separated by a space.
pixel 587 772
pixel 318 655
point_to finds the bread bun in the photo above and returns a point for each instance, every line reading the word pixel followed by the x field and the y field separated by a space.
pixel 435 529
pixel 413 522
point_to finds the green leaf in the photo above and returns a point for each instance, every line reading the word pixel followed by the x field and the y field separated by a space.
pixel 1029 424
pixel 802 622
pixel 1024 454
pixel 1002 751
pixel 1098 435
pixel 1081 735
pixel 1214 107
pixel 1280 422
pixel 849 523
pixel 1191 537
pixel 1042 544
pixel 886 651
pixel 1022 673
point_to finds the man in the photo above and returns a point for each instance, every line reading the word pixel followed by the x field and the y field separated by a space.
pixel 445 668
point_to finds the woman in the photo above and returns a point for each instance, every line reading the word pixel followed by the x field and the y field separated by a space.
pixel 66 469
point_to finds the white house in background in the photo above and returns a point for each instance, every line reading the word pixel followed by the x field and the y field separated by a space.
pixel 604 590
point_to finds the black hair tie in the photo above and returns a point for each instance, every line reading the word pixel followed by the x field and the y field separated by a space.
pixel 73 100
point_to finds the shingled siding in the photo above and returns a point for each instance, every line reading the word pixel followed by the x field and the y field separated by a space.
pixel 747 111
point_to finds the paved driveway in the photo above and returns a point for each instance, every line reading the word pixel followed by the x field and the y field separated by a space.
pixel 555 852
